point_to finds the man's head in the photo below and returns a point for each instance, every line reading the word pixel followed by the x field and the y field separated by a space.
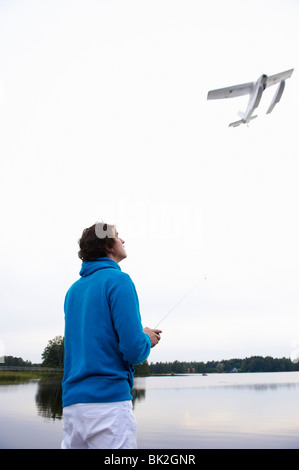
pixel 101 240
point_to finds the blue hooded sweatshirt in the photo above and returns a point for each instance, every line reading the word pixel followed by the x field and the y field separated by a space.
pixel 104 336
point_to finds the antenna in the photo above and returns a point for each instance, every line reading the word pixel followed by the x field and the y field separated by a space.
pixel 181 300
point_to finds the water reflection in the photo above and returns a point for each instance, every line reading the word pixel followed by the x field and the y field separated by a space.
pixel 251 382
pixel 219 411
pixel 48 398
pixel 138 395
pixel 264 387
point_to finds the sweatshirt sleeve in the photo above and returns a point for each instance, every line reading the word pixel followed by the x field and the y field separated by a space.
pixel 134 344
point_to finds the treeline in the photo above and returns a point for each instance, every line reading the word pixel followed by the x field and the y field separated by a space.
pixel 249 364
pixel 17 361
pixel 53 356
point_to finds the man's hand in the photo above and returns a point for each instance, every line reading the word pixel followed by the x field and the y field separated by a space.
pixel 153 334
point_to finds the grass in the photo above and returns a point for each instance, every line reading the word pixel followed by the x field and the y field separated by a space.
pixel 12 377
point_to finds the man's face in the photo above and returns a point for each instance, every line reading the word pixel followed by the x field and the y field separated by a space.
pixel 118 251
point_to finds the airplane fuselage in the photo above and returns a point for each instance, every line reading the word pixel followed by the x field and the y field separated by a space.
pixel 255 98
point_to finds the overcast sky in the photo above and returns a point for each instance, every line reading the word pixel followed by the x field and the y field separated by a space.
pixel 104 116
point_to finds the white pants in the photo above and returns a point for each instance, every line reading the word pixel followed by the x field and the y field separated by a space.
pixel 99 426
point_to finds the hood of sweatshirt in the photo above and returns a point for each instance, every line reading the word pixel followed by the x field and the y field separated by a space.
pixel 89 267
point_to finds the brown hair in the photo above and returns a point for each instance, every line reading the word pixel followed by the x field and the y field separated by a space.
pixel 95 240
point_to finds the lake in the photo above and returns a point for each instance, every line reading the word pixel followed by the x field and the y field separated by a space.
pixel 218 411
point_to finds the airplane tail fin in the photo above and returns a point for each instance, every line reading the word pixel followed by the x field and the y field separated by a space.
pixel 236 123
pixel 242 121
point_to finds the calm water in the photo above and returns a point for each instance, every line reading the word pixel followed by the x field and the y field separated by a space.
pixel 217 411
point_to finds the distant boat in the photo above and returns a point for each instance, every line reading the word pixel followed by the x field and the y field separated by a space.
pixel 204 374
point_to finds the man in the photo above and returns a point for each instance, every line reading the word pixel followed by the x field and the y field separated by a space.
pixel 104 339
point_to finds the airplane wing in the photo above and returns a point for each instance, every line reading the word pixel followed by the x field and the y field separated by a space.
pixel 246 88
pixel 231 92
pixel 276 97
pixel 273 79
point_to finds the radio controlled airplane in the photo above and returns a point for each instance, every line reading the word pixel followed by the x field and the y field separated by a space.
pixel 255 91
